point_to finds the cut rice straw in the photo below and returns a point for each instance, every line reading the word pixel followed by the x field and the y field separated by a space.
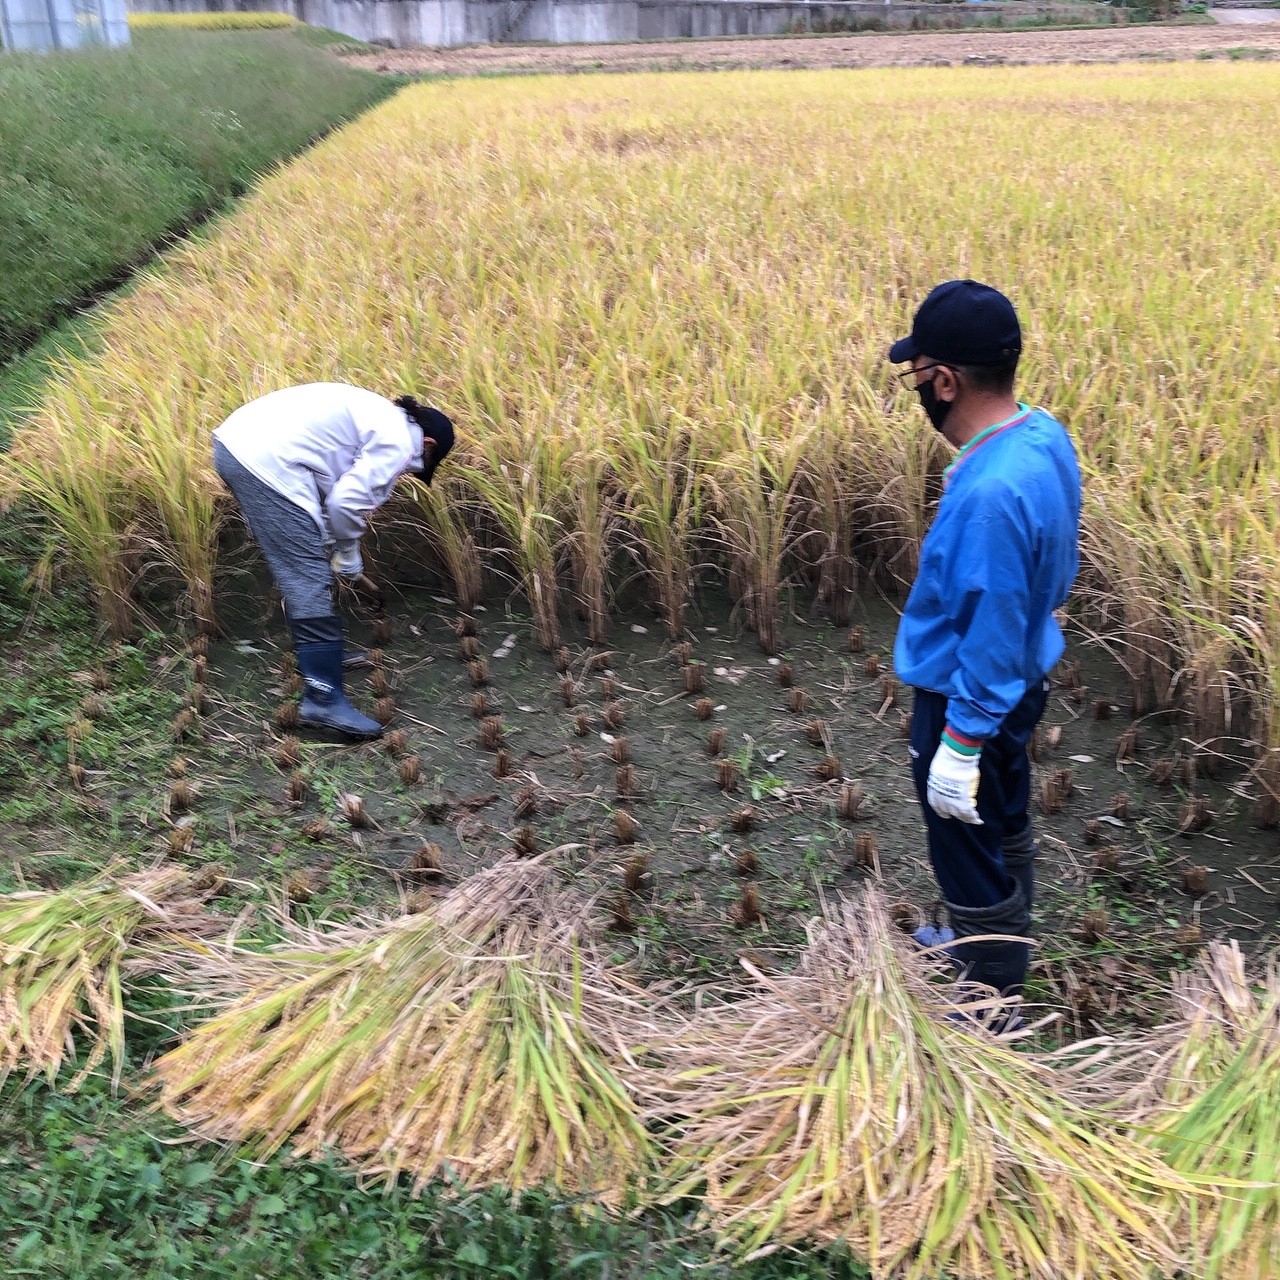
pixel 61 960
pixel 847 1101
pixel 1208 1103
pixel 482 1040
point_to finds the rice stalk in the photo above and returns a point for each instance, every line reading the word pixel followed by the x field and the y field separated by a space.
pixel 63 956
pixel 482 1038
pixel 844 1102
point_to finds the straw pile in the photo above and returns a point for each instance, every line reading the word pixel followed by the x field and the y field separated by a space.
pixel 1208 1103
pixel 483 1039
pixel 61 960
pixel 844 1102
pixel 486 1041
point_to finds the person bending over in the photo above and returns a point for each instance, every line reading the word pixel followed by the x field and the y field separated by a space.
pixel 308 465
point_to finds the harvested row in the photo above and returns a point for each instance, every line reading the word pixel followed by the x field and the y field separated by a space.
pixel 658 308
pixel 485 1039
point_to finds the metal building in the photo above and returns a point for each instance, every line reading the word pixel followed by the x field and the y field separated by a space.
pixel 62 24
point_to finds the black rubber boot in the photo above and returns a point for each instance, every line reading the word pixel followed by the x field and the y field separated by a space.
pixel 1020 862
pixel 1001 965
pixel 318 644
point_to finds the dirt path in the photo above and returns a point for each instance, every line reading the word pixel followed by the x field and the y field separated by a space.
pixel 1112 44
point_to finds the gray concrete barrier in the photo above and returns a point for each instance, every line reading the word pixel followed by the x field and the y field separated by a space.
pixel 403 23
pixel 62 24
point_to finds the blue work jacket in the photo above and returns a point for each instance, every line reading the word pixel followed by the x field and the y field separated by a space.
pixel 1000 557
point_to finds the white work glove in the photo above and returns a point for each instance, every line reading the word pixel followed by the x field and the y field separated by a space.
pixel 346 561
pixel 953 784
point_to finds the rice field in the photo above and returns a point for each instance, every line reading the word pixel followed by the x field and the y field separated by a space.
pixel 658 308
pixel 237 21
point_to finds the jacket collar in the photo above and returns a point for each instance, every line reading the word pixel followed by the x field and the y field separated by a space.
pixel 986 434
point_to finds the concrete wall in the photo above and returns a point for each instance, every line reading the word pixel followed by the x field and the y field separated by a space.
pixel 62 24
pixel 457 22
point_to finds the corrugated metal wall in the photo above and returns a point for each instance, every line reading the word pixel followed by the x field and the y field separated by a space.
pixel 62 24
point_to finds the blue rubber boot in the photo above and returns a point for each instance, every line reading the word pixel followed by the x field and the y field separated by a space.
pixel 318 644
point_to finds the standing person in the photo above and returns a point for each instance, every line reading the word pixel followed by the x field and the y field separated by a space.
pixel 978 636
pixel 308 465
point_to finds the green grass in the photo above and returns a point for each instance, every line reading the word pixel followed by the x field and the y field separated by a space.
pixel 96 1187
pixel 327 38
pixel 104 153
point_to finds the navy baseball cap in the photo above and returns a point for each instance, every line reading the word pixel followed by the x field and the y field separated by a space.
pixel 962 322
pixel 435 426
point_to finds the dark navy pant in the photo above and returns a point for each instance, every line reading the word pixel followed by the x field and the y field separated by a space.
pixel 968 860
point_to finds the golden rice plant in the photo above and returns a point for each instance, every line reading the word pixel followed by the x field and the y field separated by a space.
pixel 63 956
pixel 850 1101
pixel 832 522
pixel 756 506
pixel 660 463
pixel 84 490
pixel 441 506
pixel 592 533
pixel 485 1037
pixel 177 487
pixel 634 281
pixel 523 481
pixel 211 21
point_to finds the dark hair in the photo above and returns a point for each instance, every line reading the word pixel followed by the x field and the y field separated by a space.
pixel 989 379
pixel 414 408
pixel 437 429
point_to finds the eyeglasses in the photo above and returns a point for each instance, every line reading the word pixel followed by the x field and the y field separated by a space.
pixel 909 380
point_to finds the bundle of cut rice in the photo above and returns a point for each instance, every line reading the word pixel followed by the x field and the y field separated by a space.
pixel 485 1037
pixel 848 1101
pixel 1209 1104
pixel 62 954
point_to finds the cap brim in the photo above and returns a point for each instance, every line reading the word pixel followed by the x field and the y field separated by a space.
pixel 903 350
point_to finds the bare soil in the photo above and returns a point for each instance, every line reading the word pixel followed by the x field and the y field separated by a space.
pixel 1113 904
pixel 870 49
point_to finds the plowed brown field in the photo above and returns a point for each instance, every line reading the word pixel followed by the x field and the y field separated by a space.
pixel 906 49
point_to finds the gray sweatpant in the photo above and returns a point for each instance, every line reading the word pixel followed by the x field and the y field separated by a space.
pixel 290 540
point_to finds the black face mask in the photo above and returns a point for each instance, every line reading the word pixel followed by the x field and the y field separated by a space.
pixel 935 410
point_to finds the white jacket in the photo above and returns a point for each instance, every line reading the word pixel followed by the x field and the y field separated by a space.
pixel 334 450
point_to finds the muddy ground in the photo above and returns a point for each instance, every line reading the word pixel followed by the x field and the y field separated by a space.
pixel 868 49
pixel 1115 909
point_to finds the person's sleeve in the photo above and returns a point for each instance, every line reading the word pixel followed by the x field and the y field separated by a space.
pixel 386 449
pixel 990 600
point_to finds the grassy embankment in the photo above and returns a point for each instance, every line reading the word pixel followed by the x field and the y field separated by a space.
pixel 104 154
